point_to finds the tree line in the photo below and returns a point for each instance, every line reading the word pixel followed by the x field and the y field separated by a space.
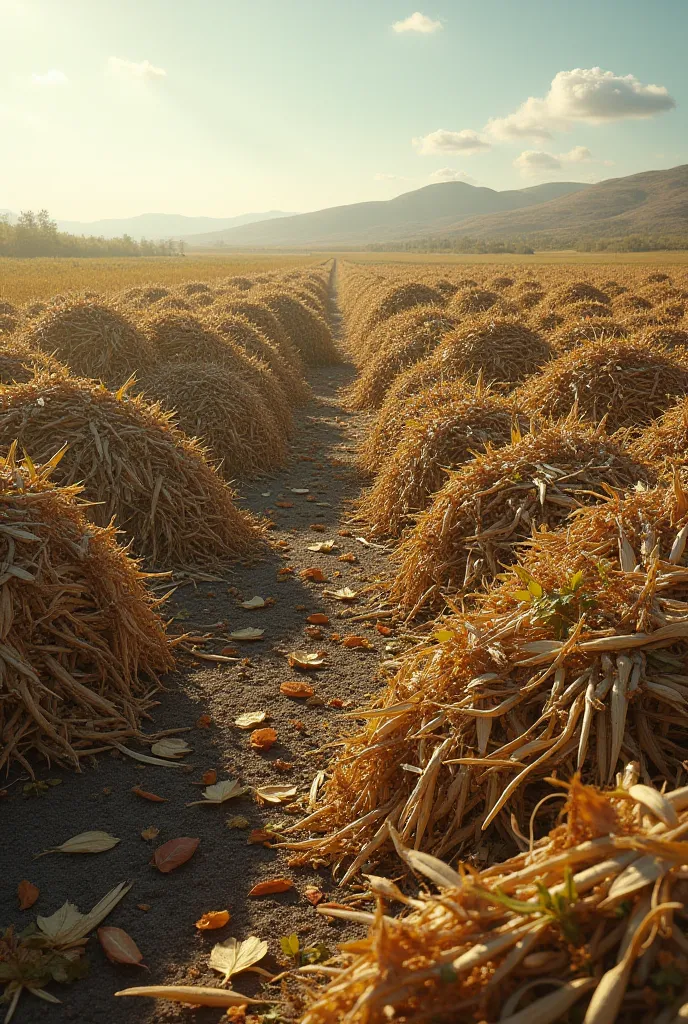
pixel 36 234
pixel 528 245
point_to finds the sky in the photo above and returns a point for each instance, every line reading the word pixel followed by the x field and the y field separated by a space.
pixel 112 108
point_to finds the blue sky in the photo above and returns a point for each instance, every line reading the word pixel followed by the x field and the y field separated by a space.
pixel 219 107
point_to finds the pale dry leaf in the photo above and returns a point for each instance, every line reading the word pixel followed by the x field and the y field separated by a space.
pixel 85 842
pixel 276 794
pixel 324 546
pixel 68 925
pixel 150 833
pixel 250 633
pixel 345 594
pixel 171 746
pixel 254 602
pixel 231 956
pixel 250 719
pixel 219 793
pixel 119 947
pixel 195 995
pixel 145 758
pixel 299 490
pixel 302 659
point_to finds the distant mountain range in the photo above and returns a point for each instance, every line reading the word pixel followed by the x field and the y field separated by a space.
pixel 155 225
pixel 434 209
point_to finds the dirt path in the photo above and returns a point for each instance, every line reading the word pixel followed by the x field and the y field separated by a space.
pixel 225 866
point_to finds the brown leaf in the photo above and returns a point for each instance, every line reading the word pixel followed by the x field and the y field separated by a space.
pixel 355 641
pixel 314 574
pixel 284 504
pixel 317 527
pixel 318 619
pixel 314 632
pixel 203 722
pixel 228 652
pixel 297 689
pixel 212 919
pixel 209 778
pixel 119 947
pixel 149 796
pixel 259 835
pixel 273 885
pixel 345 533
pixel 143 906
pixel 195 995
pixel 348 556
pixel 28 893
pixel 282 766
pixel 263 739
pixel 174 853
pixel 336 702
pixel 150 833
pixel 313 894
pixel 382 629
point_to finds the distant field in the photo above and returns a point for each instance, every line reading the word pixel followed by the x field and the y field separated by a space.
pixel 28 280
pixel 564 256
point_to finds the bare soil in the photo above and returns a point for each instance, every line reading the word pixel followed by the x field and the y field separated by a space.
pixel 225 866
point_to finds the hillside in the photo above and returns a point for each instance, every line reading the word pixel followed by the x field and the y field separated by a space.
pixel 650 203
pixel 161 225
pixel 430 210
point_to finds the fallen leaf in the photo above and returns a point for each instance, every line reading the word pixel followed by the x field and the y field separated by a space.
pixel 324 545
pixel 149 796
pixel 67 925
pixel 228 651
pixel 119 947
pixel 282 766
pixel 220 792
pixel 28 893
pixel 284 504
pixel 318 619
pixel 298 724
pixel 250 719
pixel 356 641
pixel 143 906
pixel 231 957
pixel 195 995
pixel 212 920
pixel 299 490
pixel 317 527
pixel 276 794
pixel 297 689
pixel 204 721
pixel 382 629
pixel 238 821
pixel 286 570
pixel 250 633
pixel 314 632
pixel 85 842
pixel 209 778
pixel 314 574
pixel 259 835
pixel 313 894
pixel 349 556
pixel 150 833
pixel 263 739
pixel 344 533
pixel 172 747
pixel 254 602
pixel 337 702
pixel 174 853
pixel 345 594
pixel 271 886
pixel 304 660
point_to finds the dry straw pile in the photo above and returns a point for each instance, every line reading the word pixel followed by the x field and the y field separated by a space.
pixel 135 464
pixel 92 339
pixel 585 926
pixel 491 504
pixel 308 332
pixel 19 362
pixel 627 380
pixel 79 630
pixel 226 414
pixel 398 299
pixel 238 330
pixel 503 349
pixel 265 320
pixel 441 438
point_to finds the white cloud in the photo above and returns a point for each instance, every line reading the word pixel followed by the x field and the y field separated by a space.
pixel 141 70
pixel 443 141
pixel 584 95
pixel 449 174
pixel 417 22
pixel 535 162
pixel 50 78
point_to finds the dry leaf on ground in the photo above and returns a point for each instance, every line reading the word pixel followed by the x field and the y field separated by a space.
pixel 304 660
pixel 250 719
pixel 271 886
pixel 313 894
pixel 231 956
pixel 171 746
pixel 204 721
pixel 209 778
pixel 250 633
pixel 150 833
pixel 324 546
pixel 194 995
pixel 254 602
pixel 263 739
pixel 317 527
pixel 313 574
pixel 276 794
pixel 85 842
pixel 28 893
pixel 149 796
pixel 345 594
pixel 238 821
pixel 119 947
pixel 356 641
pixel 221 791
pixel 297 689
pixel 284 504
pixel 299 490
pixel 318 619
pixel 212 919
pixel 314 632
pixel 349 556
pixel 174 853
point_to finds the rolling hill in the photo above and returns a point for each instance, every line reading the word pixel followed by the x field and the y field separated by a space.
pixel 161 225
pixel 433 209
pixel 650 203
